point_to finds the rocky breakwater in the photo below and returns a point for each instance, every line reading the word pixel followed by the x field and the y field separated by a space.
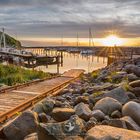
pixel 102 105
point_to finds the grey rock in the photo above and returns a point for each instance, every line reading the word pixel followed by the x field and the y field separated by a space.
pixel 130 123
pixel 52 131
pixel 135 87
pixel 119 76
pixel 132 77
pixel 48 104
pixel 58 104
pixel 80 99
pixel 118 94
pixel 91 123
pixel 93 99
pixel 22 126
pixel 131 95
pixel 98 114
pixel 107 117
pixel 117 123
pixel 86 94
pixel 60 98
pixel 78 91
pixel 132 109
pixel 135 90
pixel 136 100
pixel 104 86
pixel 64 91
pixel 83 111
pixel 133 69
pixel 116 114
pixel 105 122
pixel 38 108
pixel 107 105
pixel 125 122
pixel 44 118
pixel 62 114
pixel 135 83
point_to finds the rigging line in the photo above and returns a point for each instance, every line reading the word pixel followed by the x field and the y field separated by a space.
pixel 92 38
pixel 77 40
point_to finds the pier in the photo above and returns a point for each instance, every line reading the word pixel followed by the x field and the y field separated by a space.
pixel 19 98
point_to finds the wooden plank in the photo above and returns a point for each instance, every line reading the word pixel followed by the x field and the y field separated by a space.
pixel 25 92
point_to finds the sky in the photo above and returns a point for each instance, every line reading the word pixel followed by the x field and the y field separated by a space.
pixel 45 22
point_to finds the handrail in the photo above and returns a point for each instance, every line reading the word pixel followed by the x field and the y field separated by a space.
pixel 26 84
pixel 34 100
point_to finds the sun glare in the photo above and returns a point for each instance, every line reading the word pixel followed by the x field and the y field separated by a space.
pixel 112 40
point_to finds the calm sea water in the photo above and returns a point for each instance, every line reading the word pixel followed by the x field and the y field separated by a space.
pixel 73 61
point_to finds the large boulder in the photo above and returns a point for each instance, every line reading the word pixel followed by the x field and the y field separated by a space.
pixel 102 132
pixel 107 105
pixel 83 111
pixel 52 131
pixel 118 94
pixel 62 114
pixel 22 126
pixel 132 109
pixel 133 69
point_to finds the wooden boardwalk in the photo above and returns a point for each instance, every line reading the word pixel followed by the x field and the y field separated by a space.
pixel 23 97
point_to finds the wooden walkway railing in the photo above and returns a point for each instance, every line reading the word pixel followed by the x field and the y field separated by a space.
pixel 15 100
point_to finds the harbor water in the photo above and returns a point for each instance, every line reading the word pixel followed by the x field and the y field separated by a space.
pixel 72 61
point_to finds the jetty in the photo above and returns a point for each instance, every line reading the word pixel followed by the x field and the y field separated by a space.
pixel 19 98
pixel 25 58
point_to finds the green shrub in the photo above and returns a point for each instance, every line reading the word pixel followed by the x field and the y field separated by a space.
pixel 12 75
pixel 95 74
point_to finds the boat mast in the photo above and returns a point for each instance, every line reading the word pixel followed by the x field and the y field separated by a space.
pixel 91 42
pixel 62 42
pixel 2 39
pixel 89 37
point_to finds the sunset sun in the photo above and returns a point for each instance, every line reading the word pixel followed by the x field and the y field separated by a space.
pixel 112 40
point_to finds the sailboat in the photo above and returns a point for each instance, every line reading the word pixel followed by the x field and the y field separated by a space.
pixel 91 44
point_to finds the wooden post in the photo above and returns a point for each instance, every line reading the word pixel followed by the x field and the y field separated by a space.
pixel 61 58
pixel 57 59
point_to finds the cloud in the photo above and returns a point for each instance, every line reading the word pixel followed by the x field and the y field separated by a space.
pixel 52 18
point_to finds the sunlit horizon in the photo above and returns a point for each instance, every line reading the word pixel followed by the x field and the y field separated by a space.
pixel 109 40
pixel 112 40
